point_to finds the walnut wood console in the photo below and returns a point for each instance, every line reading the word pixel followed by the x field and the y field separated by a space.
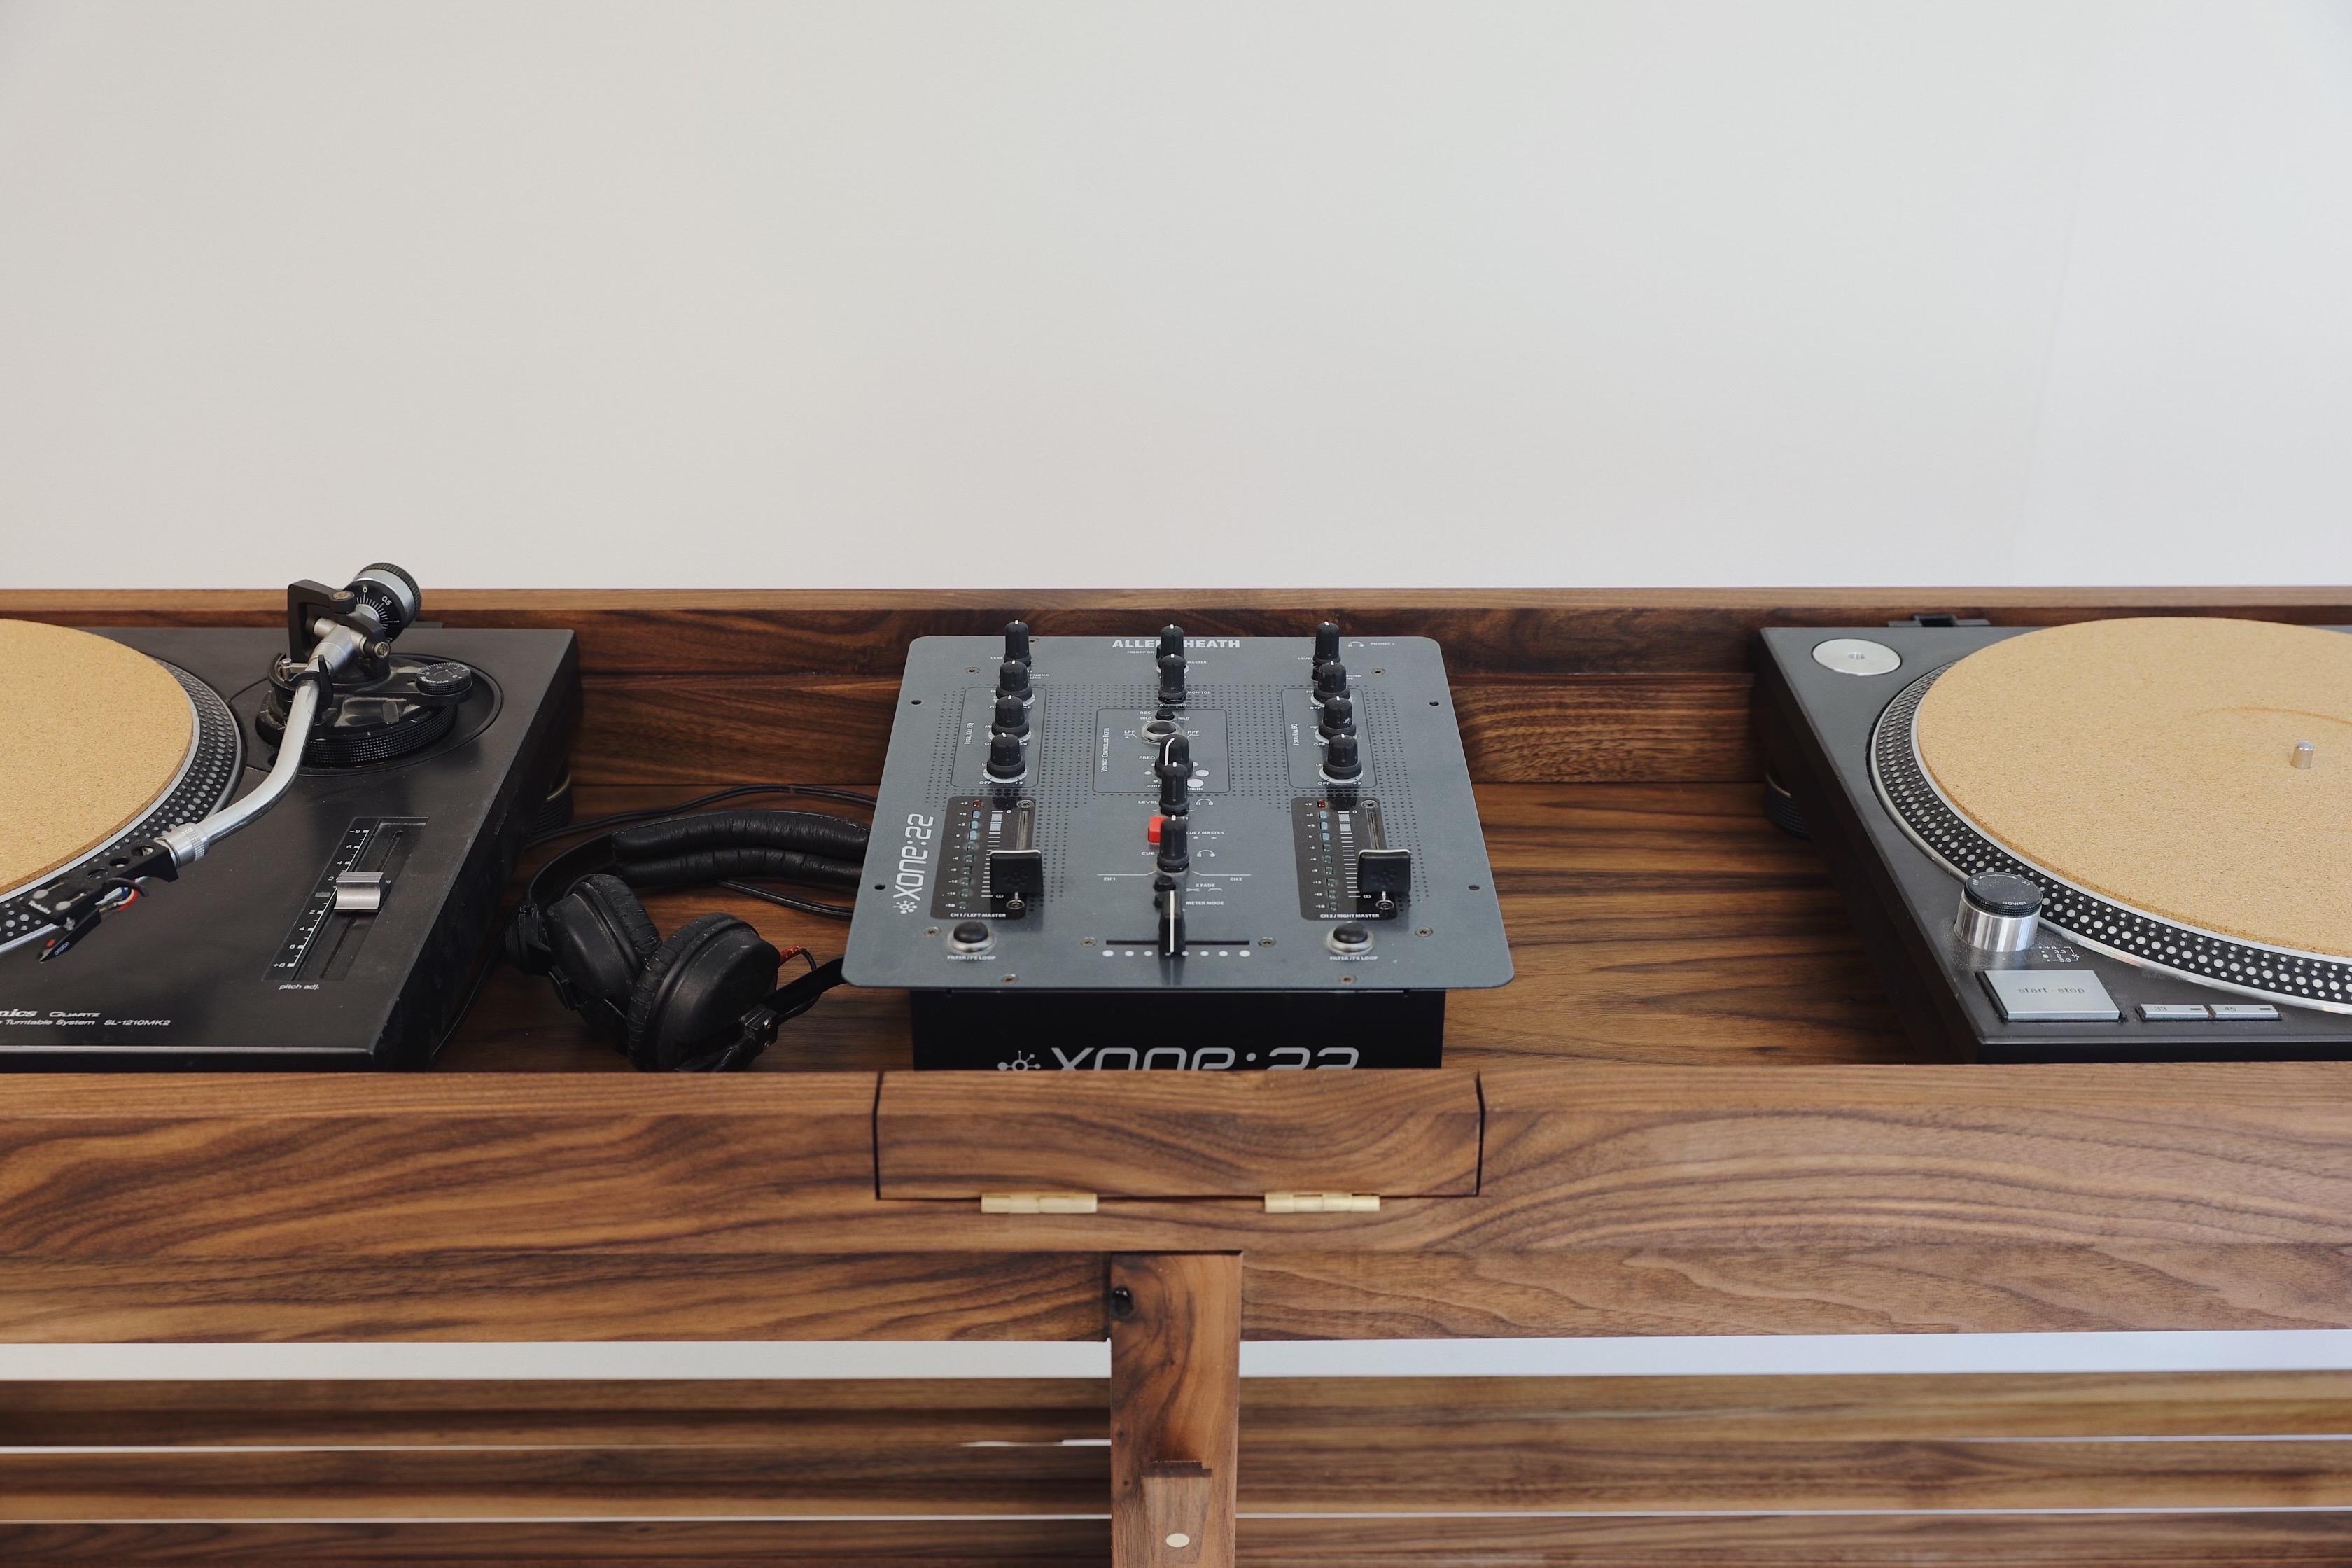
pixel 1692 1113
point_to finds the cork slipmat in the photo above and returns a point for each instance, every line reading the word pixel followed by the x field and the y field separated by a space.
pixel 91 734
pixel 2152 762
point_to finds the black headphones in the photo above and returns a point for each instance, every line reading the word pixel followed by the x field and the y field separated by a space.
pixel 705 999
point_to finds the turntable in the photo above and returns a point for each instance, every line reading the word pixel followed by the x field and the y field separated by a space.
pixel 2117 841
pixel 182 885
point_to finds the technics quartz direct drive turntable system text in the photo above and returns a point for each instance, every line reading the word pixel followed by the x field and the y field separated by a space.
pixel 340 926
pixel 2118 840
pixel 1173 851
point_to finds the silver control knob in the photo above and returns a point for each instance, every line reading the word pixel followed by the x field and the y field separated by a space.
pixel 1999 912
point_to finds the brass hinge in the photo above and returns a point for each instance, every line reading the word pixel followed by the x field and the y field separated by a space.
pixel 1322 1203
pixel 1036 1203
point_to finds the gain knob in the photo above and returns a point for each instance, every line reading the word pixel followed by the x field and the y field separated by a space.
pixel 1342 761
pixel 1012 715
pixel 1016 640
pixel 1175 852
pixel 1013 680
pixel 1171 640
pixel 1327 643
pixel 1331 680
pixel 1339 718
pixel 1006 764
pixel 1171 679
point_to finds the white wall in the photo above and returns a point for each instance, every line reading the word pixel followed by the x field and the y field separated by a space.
pixel 877 293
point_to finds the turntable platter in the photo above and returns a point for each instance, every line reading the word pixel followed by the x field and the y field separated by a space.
pixel 92 734
pixel 2154 761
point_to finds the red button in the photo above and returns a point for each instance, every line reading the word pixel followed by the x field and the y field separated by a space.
pixel 1152 832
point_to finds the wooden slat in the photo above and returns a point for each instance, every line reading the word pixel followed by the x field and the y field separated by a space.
pixel 2276 1540
pixel 604 1294
pixel 957 1135
pixel 1608 1156
pixel 1787 1287
pixel 1307 1447
pixel 563 1543
pixel 1757 1411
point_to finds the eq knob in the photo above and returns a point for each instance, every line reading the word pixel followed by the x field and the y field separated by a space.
pixel 1343 763
pixel 1327 643
pixel 1175 849
pixel 1013 680
pixel 1177 748
pixel 1175 786
pixel 1172 679
pixel 1339 718
pixel 1331 680
pixel 1016 640
pixel 1006 761
pixel 1012 714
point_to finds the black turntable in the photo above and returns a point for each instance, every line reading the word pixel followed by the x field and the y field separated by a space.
pixel 2121 840
pixel 338 927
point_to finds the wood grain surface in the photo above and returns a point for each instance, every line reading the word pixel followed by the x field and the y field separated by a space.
pixel 2226 1539
pixel 1175 1408
pixel 1355 1454
pixel 958 1135
pixel 1698 1118
pixel 1553 685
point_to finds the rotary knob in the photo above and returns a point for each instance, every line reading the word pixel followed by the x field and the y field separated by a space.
pixel 1013 680
pixel 1171 640
pixel 1016 640
pixel 1178 749
pixel 1331 680
pixel 1343 761
pixel 1012 715
pixel 1327 643
pixel 1999 912
pixel 1175 787
pixel 1175 847
pixel 1006 761
pixel 446 679
pixel 1172 679
pixel 1337 717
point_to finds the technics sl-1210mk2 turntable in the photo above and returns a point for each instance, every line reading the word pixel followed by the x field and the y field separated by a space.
pixel 2117 841
pixel 339 925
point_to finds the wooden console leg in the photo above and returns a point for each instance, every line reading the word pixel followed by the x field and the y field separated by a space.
pixel 1175 1407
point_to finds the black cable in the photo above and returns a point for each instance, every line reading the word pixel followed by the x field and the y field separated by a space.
pixel 806 906
pixel 647 814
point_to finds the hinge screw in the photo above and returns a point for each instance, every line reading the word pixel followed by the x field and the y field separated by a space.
pixel 1122 1301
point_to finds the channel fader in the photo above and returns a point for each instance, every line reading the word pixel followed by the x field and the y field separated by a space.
pixel 1173 851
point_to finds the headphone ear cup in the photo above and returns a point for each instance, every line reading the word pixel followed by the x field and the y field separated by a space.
pixel 598 939
pixel 696 988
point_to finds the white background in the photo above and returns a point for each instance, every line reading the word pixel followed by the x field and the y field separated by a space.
pixel 876 294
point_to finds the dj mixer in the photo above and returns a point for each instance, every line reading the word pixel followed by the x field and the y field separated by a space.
pixel 1173 851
